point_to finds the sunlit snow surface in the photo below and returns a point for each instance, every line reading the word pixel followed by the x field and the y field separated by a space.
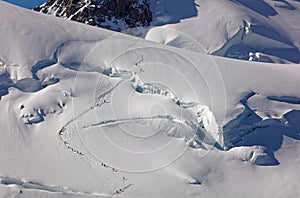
pixel 261 30
pixel 86 112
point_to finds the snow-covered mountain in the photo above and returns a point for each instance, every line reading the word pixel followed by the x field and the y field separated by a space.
pixel 265 31
pixel 88 112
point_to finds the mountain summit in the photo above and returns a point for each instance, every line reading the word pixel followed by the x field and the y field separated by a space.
pixel 110 14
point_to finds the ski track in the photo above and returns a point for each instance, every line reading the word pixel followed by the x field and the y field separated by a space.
pixel 100 100
pixel 139 86
pixel 97 103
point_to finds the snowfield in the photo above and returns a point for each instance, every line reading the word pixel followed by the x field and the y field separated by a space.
pixel 87 112
pixel 263 30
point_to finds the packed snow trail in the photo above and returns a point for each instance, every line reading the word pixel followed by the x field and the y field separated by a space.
pixel 205 118
pixel 199 128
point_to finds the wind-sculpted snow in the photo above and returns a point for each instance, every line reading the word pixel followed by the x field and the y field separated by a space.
pixel 32 185
pixel 35 84
pixel 196 132
pixel 257 118
pixel 264 30
pixel 89 113
pixel 56 190
pixel 240 29
pixel 257 42
pixel 205 118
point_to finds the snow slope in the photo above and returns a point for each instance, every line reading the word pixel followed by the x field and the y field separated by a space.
pixel 262 30
pixel 87 112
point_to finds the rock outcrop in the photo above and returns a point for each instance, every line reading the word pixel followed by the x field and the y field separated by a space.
pixel 115 15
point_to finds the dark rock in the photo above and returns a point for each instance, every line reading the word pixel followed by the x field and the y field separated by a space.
pixel 116 15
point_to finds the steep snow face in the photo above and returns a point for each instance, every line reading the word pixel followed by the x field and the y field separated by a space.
pixel 83 110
